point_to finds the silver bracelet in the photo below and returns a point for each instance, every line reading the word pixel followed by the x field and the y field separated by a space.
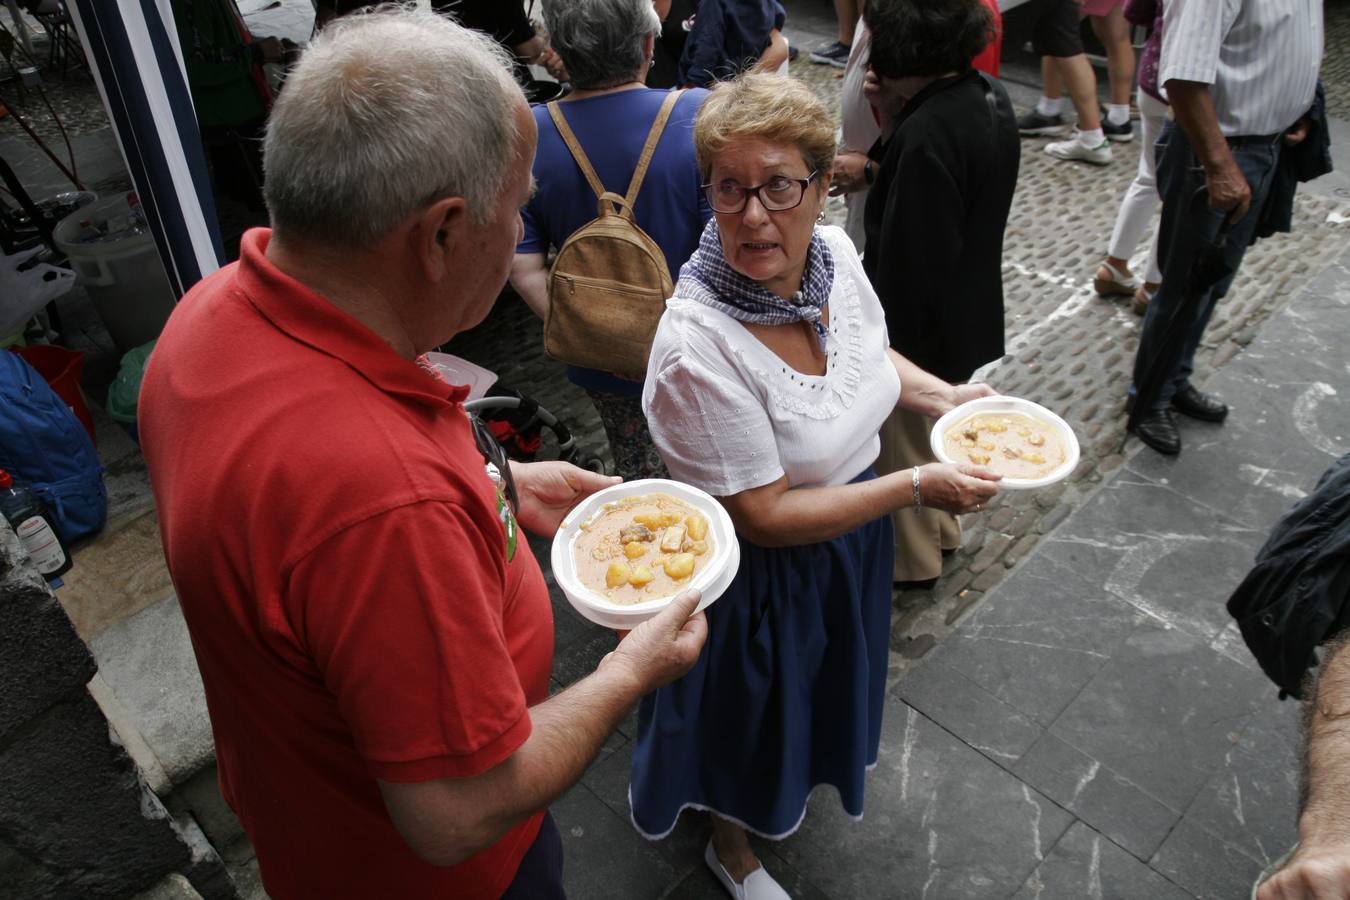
pixel 918 500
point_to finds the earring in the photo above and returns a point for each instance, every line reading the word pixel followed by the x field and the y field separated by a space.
pixel 821 218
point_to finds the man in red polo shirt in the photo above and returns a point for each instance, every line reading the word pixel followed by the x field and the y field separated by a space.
pixel 374 642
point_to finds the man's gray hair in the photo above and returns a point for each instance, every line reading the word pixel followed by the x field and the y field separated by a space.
pixel 600 41
pixel 386 112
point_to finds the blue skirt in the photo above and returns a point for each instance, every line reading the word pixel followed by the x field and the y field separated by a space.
pixel 787 694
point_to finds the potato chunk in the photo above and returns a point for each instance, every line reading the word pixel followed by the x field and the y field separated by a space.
pixel 987 446
pixel 641 575
pixel 1011 452
pixel 618 573
pixel 1034 458
pixel 1036 440
pixel 672 539
pixel 978 458
pixel 680 565
pixel 698 548
pixel 657 520
pixel 697 527
pixel 634 549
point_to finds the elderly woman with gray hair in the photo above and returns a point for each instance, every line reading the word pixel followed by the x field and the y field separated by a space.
pixel 607 48
pixel 769 378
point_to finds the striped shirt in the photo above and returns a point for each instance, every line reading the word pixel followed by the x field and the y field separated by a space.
pixel 1260 57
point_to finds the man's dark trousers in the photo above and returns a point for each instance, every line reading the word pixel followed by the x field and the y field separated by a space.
pixel 1188 224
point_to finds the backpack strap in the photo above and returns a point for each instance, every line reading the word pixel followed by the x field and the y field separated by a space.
pixel 649 148
pixel 574 146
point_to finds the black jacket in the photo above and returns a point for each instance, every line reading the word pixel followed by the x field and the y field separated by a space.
pixel 1309 159
pixel 1295 597
pixel 935 219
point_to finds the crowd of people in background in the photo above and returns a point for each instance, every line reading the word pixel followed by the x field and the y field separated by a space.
pixel 795 374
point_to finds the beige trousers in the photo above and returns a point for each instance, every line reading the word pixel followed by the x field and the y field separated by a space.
pixel 919 539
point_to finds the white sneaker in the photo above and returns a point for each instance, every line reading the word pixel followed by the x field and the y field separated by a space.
pixel 1073 148
pixel 758 885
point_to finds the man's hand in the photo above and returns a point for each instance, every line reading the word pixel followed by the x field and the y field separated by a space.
pixel 664 647
pixel 1228 188
pixel 549 490
pixel 553 63
pixel 1297 132
pixel 530 50
pixel 848 173
pixel 1194 110
pixel 1312 873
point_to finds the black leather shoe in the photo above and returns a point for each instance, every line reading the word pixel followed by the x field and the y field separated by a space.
pixel 1190 401
pixel 1159 430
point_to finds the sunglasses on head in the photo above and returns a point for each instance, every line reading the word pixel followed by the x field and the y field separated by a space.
pixel 495 455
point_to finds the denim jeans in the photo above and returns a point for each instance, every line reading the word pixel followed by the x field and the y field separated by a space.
pixel 1188 224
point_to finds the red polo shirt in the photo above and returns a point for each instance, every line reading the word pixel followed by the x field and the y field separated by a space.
pixel 335 545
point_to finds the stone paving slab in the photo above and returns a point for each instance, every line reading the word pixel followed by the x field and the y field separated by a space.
pixel 1101 798
pixel 1084 864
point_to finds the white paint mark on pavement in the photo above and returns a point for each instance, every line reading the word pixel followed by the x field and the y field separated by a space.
pixel 1237 801
pixel 1305 419
pixel 933 867
pixel 1035 823
pixel 908 748
pixel 1086 779
pixel 1095 870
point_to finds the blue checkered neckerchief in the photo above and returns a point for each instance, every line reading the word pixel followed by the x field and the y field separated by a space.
pixel 708 278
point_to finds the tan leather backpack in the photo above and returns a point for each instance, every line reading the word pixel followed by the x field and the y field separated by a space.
pixel 608 285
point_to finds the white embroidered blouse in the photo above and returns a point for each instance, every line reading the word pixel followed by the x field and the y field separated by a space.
pixel 728 414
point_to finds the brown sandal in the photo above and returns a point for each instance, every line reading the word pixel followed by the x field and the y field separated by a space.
pixel 1115 282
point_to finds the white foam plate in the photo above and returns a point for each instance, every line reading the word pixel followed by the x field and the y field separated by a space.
pixel 712 578
pixel 462 372
pixel 1003 404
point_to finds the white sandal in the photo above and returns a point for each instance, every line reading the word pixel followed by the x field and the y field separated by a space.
pixel 758 885
pixel 1118 283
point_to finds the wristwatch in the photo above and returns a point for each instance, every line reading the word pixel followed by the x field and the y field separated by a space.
pixel 869 172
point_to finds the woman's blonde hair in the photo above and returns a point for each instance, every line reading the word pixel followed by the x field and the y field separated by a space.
pixel 767 107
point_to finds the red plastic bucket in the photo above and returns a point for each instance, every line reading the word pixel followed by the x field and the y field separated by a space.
pixel 62 368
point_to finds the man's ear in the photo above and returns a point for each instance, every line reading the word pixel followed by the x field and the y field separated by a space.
pixel 440 228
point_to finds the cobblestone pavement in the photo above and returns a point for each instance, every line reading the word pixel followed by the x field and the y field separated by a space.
pixel 1336 57
pixel 1068 349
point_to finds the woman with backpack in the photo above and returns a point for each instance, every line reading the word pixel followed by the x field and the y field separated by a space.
pixel 609 117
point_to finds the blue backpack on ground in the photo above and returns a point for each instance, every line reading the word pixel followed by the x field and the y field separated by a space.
pixel 43 445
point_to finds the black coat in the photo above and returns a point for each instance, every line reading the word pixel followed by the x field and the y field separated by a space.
pixel 935 220
pixel 1298 593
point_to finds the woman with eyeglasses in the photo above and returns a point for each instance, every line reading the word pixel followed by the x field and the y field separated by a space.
pixel 769 377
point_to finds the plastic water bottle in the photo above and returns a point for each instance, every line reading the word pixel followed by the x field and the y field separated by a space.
pixel 26 513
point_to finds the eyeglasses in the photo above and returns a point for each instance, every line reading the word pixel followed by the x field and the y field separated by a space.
pixel 495 454
pixel 776 194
